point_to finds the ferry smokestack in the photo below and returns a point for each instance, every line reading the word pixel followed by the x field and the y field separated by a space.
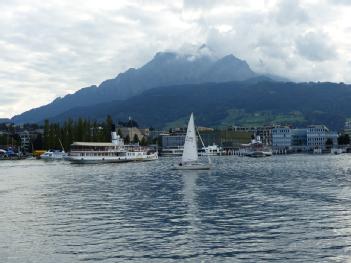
pixel 114 138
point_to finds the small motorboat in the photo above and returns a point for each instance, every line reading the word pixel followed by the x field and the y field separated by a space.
pixel 52 155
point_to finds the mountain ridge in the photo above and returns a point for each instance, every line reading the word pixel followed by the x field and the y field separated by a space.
pixel 253 102
pixel 165 69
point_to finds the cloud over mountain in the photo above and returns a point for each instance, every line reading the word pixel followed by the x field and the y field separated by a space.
pixel 165 69
pixel 55 47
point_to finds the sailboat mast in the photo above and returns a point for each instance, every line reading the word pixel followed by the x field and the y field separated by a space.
pixel 63 149
pixel 203 145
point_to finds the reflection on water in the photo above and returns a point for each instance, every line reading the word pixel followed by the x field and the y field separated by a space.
pixel 189 181
pixel 284 208
pixel 192 214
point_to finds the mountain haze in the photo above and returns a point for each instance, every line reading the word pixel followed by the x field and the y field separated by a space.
pixel 4 120
pixel 165 69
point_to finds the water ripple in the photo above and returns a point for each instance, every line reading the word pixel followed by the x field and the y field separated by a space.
pixel 284 209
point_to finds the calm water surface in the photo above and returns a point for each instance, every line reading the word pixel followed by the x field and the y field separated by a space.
pixel 285 209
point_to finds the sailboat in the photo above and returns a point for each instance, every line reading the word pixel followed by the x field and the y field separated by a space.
pixel 190 157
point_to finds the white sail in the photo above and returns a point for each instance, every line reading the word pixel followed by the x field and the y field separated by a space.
pixel 190 147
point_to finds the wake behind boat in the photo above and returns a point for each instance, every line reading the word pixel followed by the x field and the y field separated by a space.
pixel 190 157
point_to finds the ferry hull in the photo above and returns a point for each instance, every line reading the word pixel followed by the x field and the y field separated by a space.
pixel 79 160
pixel 124 159
pixel 258 154
pixel 144 159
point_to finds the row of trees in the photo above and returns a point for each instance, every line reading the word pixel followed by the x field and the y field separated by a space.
pixel 80 130
pixel 344 139
pixel 9 139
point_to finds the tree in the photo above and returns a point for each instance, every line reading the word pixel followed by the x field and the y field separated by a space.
pixel 344 139
pixel 127 139
pixel 67 135
pixel 46 134
pixel 38 143
pixel 136 138
pixel 79 130
pixel 143 141
pixel 119 132
pixel 329 142
pixel 107 128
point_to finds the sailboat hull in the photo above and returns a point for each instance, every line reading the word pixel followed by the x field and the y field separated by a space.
pixel 192 166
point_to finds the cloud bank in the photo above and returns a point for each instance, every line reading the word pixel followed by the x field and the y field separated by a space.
pixel 51 48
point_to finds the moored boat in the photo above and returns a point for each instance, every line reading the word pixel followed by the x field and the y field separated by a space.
pixel 105 152
pixel 96 152
pixel 53 155
pixel 337 151
pixel 211 150
pixel 11 154
pixel 255 149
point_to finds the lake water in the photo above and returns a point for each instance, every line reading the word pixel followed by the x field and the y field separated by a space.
pixel 293 208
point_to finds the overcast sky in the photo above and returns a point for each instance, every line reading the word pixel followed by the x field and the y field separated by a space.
pixel 54 47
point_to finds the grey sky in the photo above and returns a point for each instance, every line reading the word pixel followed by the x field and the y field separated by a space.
pixel 54 47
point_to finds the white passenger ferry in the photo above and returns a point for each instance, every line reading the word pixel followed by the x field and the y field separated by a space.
pixel 114 152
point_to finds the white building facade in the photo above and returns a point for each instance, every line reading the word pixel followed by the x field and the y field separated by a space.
pixel 281 138
pixel 347 128
pixel 306 139
pixel 318 135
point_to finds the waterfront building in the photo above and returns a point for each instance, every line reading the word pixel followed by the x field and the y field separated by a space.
pixel 299 140
pixel 172 144
pixel 317 136
pixel 265 132
pixel 204 129
pixel 226 138
pixel 281 138
pixel 132 131
pixel 172 140
pixel 306 139
pixel 347 127
pixel 25 140
pixel 155 134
